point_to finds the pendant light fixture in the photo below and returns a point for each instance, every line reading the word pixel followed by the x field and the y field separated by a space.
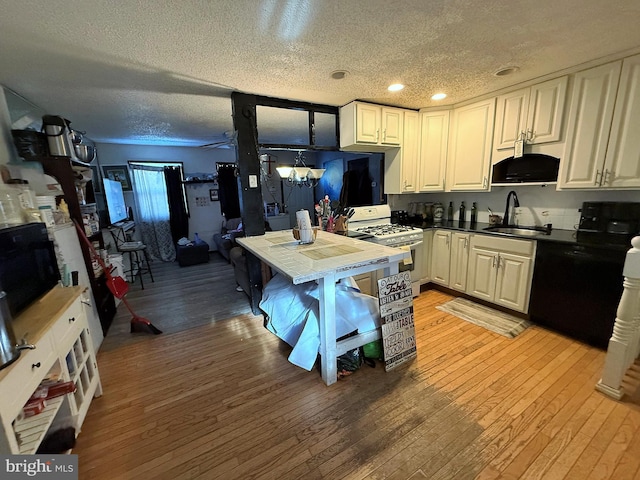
pixel 299 174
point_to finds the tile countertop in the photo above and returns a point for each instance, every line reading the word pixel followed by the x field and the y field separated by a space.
pixel 556 235
pixel 329 254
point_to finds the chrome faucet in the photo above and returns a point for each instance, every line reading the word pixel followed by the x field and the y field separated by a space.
pixel 516 204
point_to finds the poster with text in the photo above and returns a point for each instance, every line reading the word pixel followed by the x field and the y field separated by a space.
pixel 396 311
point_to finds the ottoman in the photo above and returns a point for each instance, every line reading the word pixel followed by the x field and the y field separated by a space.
pixel 192 254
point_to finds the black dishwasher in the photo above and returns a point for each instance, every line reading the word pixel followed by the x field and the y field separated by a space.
pixel 576 289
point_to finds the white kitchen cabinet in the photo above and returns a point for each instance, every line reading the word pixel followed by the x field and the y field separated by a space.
pixel 459 261
pixel 470 146
pixel 440 257
pixel 534 114
pixel 365 126
pixel 589 123
pixel 449 258
pixel 622 161
pixel 401 164
pixel 427 246
pixel 57 326
pixel 410 152
pixel 500 270
pixel 392 126
pixel 434 135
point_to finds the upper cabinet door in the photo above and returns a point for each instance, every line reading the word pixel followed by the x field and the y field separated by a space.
pixel 546 109
pixel 511 115
pixel 410 151
pixel 434 134
pixel 533 114
pixel 392 121
pixel 367 123
pixel 622 162
pixel 470 147
pixel 589 122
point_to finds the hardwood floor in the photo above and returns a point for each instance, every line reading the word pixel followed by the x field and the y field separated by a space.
pixel 213 398
pixel 178 299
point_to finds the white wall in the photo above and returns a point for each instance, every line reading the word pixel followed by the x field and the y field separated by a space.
pixel 205 218
pixel 539 205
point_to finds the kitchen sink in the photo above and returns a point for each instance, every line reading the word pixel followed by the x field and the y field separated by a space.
pixel 520 231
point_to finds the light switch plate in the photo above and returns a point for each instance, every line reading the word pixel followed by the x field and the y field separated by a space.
pixel 253 181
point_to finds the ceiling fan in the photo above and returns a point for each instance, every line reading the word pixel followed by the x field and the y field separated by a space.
pixel 230 140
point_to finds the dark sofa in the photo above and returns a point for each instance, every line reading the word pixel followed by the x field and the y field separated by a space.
pixel 225 240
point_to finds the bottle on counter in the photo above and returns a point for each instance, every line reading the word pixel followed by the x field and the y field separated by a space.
pixel 450 212
pixel 474 214
pixel 438 210
pixel 462 212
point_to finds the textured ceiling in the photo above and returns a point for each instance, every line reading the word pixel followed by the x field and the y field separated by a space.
pixel 161 72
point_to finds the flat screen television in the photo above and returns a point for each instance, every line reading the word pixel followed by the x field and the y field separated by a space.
pixel 115 201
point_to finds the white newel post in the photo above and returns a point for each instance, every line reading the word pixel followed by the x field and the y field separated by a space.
pixel 624 345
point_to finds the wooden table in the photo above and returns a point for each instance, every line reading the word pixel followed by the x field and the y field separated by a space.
pixel 327 260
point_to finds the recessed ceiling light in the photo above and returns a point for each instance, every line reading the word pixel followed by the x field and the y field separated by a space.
pixel 439 96
pixel 503 72
pixel 396 87
pixel 339 74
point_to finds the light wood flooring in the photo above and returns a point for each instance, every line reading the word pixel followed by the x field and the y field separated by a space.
pixel 213 398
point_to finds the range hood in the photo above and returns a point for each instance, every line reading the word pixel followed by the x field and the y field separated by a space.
pixel 530 168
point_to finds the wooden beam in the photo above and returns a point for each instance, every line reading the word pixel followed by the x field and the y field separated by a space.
pixel 251 202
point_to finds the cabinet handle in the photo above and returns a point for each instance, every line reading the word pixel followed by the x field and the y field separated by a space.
pixel 605 177
pixel 484 182
pixel 494 261
pixel 530 135
pixel 384 135
pixel 72 319
pixel 598 178
pixel 35 365
pixel 466 242
pixel 377 134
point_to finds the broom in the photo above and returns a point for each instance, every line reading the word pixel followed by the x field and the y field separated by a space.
pixel 119 287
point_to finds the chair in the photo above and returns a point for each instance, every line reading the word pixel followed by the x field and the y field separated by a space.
pixel 138 260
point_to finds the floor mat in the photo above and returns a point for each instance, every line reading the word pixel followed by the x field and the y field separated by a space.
pixel 494 320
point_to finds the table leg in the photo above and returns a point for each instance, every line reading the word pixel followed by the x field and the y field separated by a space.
pixel 328 361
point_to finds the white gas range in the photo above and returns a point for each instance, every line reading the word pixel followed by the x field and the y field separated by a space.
pixel 374 224
pixel 375 221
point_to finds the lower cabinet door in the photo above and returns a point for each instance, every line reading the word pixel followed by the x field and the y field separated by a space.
pixel 440 257
pixel 512 284
pixel 459 261
pixel 481 280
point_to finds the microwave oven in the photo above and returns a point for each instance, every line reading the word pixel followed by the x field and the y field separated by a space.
pixel 28 265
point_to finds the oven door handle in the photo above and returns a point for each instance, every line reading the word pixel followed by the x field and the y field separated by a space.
pixel 410 245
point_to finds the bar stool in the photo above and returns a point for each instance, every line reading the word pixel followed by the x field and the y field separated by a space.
pixel 138 260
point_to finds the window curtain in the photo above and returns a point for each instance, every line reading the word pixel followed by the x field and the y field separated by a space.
pixel 153 211
pixel 178 214
pixel 228 190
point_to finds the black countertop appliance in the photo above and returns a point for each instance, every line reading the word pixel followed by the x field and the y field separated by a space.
pixel 577 287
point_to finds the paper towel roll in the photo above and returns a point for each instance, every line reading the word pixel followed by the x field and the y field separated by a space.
pixel 303 219
pixel 304 225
